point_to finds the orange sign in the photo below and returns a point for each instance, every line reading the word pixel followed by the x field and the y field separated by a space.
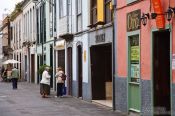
pixel 160 19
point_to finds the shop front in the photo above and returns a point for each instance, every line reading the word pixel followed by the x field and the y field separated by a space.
pixel 101 65
pixel 145 58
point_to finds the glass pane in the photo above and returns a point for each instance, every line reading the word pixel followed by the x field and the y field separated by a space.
pixel 134 58
pixel 108 13
pixel 63 6
pixel 79 23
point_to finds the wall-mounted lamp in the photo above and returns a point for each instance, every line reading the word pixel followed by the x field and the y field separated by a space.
pixel 144 18
pixel 168 15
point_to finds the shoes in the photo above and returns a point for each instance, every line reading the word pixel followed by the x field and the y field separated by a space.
pixel 56 96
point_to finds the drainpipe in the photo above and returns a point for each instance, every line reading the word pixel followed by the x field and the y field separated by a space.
pixel 113 53
pixel 55 37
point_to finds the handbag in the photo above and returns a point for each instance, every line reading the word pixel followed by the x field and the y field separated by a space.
pixel 63 77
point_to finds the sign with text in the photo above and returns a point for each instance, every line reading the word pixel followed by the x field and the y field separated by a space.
pixel 133 20
pixel 100 38
pixel 135 53
pixel 160 19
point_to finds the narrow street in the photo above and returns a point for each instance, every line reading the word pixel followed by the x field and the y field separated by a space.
pixel 26 101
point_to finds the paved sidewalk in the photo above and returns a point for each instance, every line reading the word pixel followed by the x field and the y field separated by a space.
pixel 26 101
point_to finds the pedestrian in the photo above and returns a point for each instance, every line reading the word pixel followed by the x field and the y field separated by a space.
pixel 60 78
pixel 45 83
pixel 15 77
pixel 4 75
pixel 2 71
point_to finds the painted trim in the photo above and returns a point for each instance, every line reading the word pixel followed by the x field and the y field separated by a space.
pixel 69 45
pixel 137 32
pixel 168 26
pixel 79 43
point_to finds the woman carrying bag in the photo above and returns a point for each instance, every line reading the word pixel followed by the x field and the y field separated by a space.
pixel 60 79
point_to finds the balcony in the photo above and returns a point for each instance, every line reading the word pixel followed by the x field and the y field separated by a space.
pixel 65 28
pixel 7 50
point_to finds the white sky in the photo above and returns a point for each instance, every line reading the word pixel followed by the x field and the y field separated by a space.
pixel 7 4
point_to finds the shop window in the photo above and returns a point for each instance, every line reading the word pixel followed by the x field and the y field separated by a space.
pixel 134 59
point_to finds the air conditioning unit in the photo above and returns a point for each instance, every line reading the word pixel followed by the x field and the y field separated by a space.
pixel 34 1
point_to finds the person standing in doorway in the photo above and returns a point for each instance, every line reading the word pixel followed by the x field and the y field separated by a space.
pixel 60 81
pixel 45 83
pixel 15 77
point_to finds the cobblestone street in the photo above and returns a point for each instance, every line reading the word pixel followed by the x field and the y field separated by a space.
pixel 26 101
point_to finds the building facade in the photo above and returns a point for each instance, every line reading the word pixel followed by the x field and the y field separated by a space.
pixel 16 39
pixel 145 57
pixel 6 39
pixel 45 36
pixel 29 40
pixel 84 43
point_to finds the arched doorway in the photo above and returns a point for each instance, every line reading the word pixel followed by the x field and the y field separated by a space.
pixel 79 73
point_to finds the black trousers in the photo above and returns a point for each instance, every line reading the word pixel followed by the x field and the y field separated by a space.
pixel 14 83
pixel 60 89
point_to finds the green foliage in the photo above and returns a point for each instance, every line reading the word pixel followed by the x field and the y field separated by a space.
pixel 42 68
pixel 16 11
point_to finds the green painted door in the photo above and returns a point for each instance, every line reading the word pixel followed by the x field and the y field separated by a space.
pixel 134 74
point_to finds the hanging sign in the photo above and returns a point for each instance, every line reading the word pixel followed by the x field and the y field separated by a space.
pixel 84 55
pixel 160 19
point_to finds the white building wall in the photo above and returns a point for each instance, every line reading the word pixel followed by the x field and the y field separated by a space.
pixel 82 38
pixel 85 14
pixel 16 42
pixel 29 35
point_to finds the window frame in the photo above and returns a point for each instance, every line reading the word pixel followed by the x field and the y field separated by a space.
pixel 93 8
pixel 106 3
pixel 79 15
pixel 130 1
pixel 62 7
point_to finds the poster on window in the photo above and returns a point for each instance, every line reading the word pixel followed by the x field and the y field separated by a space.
pixel 135 70
pixel 135 53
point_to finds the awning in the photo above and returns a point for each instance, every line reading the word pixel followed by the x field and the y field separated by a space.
pixel 60 45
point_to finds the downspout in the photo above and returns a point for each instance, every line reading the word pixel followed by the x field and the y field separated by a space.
pixel 113 53
pixel 55 34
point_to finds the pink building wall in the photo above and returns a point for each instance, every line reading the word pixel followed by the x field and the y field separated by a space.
pixel 145 37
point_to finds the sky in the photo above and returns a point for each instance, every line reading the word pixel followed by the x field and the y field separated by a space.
pixel 7 4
